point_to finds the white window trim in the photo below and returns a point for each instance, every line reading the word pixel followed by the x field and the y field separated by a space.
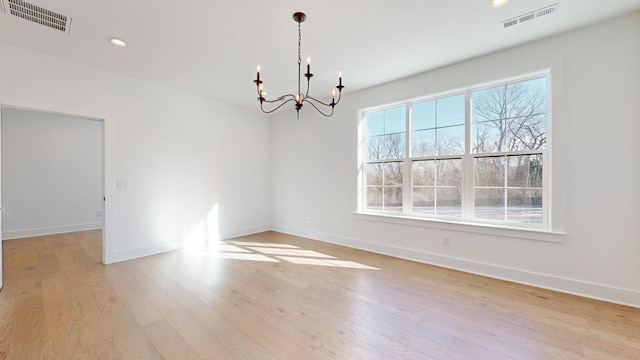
pixel 468 227
pixel 542 232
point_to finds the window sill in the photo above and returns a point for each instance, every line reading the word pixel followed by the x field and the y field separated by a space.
pixel 462 226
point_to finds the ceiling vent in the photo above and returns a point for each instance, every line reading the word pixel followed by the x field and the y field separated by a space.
pixel 36 14
pixel 530 16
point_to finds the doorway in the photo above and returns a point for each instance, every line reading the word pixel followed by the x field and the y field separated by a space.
pixel 52 173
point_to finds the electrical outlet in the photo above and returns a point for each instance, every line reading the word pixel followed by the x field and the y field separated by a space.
pixel 446 241
pixel 99 213
pixel 308 219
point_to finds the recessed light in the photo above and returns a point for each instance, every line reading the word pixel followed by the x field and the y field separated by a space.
pixel 499 3
pixel 117 42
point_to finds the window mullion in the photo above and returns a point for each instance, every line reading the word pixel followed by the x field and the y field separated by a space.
pixel 407 180
pixel 467 186
pixel 546 191
pixel 505 185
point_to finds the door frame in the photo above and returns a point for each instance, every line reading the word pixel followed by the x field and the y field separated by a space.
pixel 107 167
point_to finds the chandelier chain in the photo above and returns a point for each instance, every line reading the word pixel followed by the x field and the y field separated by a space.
pixel 299 44
pixel 299 95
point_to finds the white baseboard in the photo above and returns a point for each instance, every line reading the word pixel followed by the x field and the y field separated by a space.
pixel 18 234
pixel 141 251
pixel 576 287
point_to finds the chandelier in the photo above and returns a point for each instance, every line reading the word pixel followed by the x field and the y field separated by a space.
pixel 299 98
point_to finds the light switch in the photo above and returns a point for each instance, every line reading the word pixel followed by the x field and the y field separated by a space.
pixel 121 185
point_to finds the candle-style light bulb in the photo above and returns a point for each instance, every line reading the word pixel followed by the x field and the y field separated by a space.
pixel 258 74
pixel 308 65
pixel 340 78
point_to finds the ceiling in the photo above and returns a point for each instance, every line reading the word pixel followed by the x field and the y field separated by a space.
pixel 212 48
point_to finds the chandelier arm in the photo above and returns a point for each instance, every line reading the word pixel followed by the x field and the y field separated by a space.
pixel 276 108
pixel 309 98
pixel 281 98
pixel 320 111
pixel 339 97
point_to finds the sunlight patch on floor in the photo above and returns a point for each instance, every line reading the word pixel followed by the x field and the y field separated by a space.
pixel 267 245
pixel 291 252
pixel 204 239
pixel 243 256
pixel 325 262
pixel 256 251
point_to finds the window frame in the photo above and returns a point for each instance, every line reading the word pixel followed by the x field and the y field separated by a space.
pixel 467 180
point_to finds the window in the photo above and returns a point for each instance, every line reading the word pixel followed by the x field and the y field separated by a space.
pixel 476 155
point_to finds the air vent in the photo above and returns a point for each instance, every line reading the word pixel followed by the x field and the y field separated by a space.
pixel 510 23
pixel 526 18
pixel 530 16
pixel 36 14
pixel 547 11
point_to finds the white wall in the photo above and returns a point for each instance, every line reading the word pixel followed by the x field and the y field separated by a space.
pixel 51 173
pixel 181 155
pixel 595 170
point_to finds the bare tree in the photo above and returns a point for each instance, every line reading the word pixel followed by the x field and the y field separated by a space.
pixel 389 146
pixel 509 118
pixel 385 177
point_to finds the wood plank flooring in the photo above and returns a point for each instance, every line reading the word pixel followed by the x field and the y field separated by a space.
pixel 275 296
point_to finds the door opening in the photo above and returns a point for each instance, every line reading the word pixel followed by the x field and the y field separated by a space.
pixel 53 173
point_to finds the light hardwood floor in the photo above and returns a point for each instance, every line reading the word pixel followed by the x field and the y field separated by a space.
pixel 275 296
